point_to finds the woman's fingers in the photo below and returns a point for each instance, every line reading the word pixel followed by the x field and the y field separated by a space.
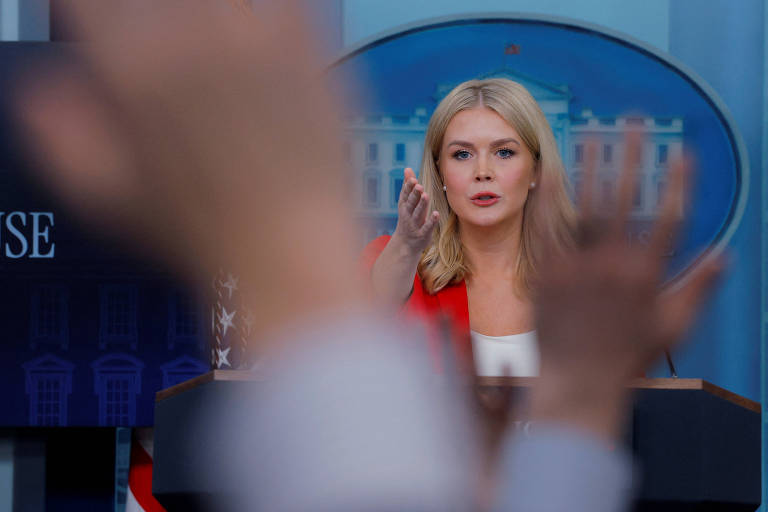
pixel 409 181
pixel 420 212
pixel 413 199
pixel 429 224
pixel 405 190
pixel 415 220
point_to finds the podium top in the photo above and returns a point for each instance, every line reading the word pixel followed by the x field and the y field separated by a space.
pixel 522 382
pixel 643 383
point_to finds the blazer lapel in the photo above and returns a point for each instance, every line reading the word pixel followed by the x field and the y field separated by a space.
pixel 453 304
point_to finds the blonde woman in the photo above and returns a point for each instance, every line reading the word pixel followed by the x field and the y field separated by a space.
pixel 469 237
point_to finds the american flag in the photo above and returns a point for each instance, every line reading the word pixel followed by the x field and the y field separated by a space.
pixel 139 497
pixel 231 325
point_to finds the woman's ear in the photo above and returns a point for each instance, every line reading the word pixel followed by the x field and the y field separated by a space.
pixel 535 175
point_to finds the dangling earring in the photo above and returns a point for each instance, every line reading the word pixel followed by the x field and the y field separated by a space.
pixel 445 188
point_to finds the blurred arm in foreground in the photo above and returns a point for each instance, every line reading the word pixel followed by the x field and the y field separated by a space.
pixel 210 138
pixel 603 319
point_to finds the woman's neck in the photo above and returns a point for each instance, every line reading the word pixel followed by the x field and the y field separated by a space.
pixel 492 250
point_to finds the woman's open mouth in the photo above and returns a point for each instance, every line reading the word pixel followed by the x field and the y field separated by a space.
pixel 484 199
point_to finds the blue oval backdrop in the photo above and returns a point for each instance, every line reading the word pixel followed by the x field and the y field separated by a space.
pixel 588 82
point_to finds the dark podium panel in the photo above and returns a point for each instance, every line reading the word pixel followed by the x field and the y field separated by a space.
pixel 697 445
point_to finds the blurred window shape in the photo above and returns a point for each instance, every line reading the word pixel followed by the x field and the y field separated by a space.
pixel 371 186
pixel 637 199
pixel 184 319
pixel 372 154
pixel 578 154
pixel 395 185
pixel 662 154
pixel 49 311
pixel 400 152
pixel 117 382
pixel 48 385
pixel 117 316
pixel 607 153
pixel 661 185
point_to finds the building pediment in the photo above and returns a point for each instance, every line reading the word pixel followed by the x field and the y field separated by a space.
pixel 113 362
pixel 184 364
pixel 48 363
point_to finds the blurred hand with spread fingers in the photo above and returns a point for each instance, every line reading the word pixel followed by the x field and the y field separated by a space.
pixel 603 312
pixel 207 134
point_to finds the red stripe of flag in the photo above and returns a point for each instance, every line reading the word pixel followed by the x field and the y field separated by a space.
pixel 140 478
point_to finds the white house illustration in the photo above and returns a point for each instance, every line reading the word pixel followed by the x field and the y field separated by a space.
pixel 181 369
pixel 48 384
pixel 380 145
pixel 117 381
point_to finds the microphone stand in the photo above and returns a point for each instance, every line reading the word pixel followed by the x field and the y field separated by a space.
pixel 670 364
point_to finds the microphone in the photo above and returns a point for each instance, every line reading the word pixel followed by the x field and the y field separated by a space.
pixel 670 364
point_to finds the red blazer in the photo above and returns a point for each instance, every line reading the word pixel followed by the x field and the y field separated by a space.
pixel 444 313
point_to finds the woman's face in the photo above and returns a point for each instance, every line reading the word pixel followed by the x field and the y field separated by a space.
pixel 486 168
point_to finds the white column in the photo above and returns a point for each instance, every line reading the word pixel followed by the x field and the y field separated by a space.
pixel 24 20
pixel 9 20
pixel 6 472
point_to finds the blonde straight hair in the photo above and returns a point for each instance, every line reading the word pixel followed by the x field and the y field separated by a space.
pixel 548 214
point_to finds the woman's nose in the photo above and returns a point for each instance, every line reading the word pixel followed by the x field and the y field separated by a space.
pixel 483 174
pixel 483 170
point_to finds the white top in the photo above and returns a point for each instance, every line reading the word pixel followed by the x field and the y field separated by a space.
pixel 516 354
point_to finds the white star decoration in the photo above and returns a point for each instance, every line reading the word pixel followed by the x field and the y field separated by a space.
pixel 222 357
pixel 230 284
pixel 225 319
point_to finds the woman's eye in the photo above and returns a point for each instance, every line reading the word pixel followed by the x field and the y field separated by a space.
pixel 461 154
pixel 505 153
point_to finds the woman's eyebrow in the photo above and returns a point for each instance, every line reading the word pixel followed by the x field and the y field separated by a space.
pixel 461 143
pixel 501 142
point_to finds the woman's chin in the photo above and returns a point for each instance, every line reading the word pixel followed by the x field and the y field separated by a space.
pixel 488 219
pixel 482 221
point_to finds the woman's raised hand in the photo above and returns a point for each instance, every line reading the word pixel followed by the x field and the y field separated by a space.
pixel 414 222
pixel 392 274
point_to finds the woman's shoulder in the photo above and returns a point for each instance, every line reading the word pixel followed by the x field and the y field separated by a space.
pixel 372 251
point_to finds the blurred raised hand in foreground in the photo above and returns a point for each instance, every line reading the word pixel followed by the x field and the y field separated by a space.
pixel 206 136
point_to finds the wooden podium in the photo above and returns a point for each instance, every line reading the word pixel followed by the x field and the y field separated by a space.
pixel 697 445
